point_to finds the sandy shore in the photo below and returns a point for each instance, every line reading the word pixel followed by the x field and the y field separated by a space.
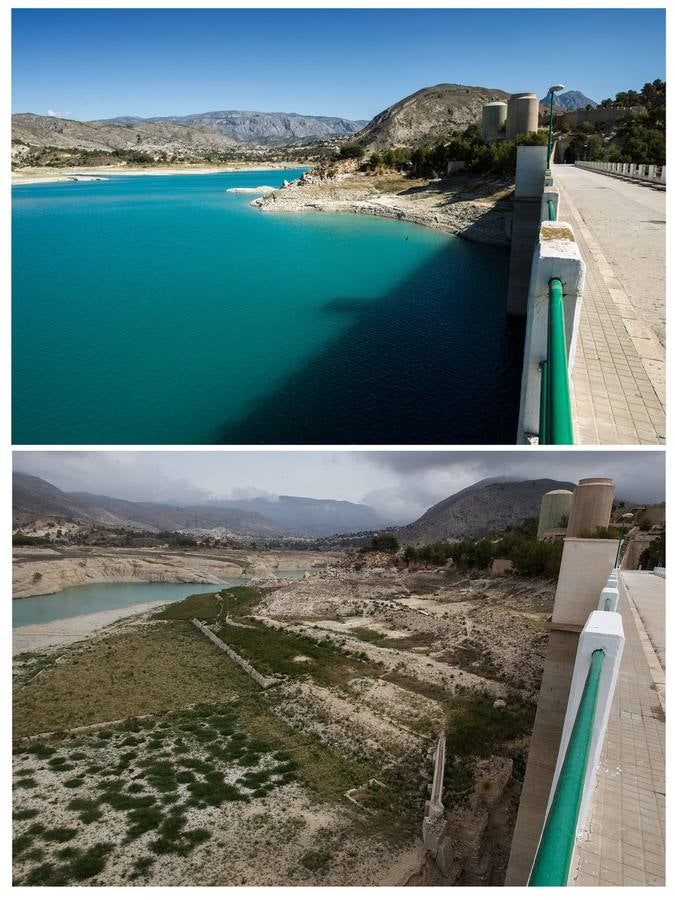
pixel 35 176
pixel 62 632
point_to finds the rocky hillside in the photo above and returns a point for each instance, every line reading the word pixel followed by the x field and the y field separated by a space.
pixel 49 131
pixel 427 114
pixel 34 499
pixel 243 127
pixel 483 507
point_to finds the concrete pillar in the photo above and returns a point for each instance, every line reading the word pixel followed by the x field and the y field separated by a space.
pixel 557 256
pixel 550 193
pixel 553 507
pixel 584 570
pixel 591 507
pixel 530 170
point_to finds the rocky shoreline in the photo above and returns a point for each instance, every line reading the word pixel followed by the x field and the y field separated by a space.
pixel 477 209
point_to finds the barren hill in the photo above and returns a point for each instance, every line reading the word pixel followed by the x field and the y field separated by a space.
pixel 483 507
pixel 429 113
pixel 50 131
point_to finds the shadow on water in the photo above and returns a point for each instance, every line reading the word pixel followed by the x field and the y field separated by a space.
pixel 436 360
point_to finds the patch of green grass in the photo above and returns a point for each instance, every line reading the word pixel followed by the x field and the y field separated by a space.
pixel 214 791
pixel 275 652
pixel 73 782
pixel 89 810
pixel 140 821
pixel 476 728
pixel 21 843
pixel 316 860
pixel 25 813
pixel 25 783
pixel 142 867
pixel 42 751
pixel 90 862
pixel 59 835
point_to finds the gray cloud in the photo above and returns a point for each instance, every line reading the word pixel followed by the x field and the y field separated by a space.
pixel 399 485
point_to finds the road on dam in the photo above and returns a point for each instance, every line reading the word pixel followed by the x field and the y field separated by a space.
pixel 619 371
pixel 628 221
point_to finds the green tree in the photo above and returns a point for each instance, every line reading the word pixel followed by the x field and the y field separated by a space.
pixel 352 151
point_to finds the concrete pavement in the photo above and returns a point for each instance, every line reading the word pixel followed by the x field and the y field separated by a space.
pixel 625 835
pixel 647 591
pixel 618 378
pixel 629 223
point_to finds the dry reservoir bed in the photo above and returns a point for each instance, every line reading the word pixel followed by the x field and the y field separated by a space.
pixel 191 774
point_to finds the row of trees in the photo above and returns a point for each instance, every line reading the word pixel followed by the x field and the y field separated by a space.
pixel 638 138
pixel 518 543
pixel 431 160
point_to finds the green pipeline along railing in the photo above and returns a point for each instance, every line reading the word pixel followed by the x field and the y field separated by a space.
pixel 555 409
pixel 589 706
pixel 551 211
pixel 554 855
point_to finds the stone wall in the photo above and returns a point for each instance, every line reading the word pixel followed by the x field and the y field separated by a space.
pixel 247 667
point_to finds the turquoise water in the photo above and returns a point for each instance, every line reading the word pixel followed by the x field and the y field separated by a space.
pixel 91 598
pixel 160 309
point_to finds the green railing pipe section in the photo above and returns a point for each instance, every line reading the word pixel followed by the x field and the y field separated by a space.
pixel 554 854
pixel 555 410
pixel 551 211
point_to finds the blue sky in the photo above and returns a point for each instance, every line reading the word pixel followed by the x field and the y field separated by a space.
pixel 96 63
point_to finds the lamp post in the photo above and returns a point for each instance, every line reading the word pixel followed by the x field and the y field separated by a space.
pixel 625 518
pixel 554 89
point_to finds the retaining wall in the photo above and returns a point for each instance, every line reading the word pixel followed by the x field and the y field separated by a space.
pixel 247 667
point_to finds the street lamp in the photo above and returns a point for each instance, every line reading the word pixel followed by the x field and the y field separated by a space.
pixel 625 518
pixel 554 89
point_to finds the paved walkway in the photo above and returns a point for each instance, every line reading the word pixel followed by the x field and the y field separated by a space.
pixel 618 378
pixel 626 833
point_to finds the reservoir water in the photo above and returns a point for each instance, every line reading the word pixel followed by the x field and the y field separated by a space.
pixel 91 598
pixel 161 309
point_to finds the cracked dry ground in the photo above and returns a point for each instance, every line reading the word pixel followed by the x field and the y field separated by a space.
pixel 191 774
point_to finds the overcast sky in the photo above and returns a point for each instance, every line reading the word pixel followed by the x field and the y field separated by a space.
pixel 399 485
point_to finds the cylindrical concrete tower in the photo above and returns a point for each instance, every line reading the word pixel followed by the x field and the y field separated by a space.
pixel 494 116
pixel 522 115
pixel 591 506
pixel 554 506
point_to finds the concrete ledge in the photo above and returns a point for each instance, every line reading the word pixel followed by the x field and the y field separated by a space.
pixel 556 256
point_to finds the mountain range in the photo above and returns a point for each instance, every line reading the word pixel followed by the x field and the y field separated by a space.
pixel 489 505
pixel 427 114
pixel 246 127
pixel 36 499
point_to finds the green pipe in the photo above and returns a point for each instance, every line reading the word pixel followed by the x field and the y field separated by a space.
pixel 559 416
pixel 554 854
pixel 551 211
pixel 543 403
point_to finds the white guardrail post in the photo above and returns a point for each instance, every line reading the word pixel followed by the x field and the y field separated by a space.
pixel 603 631
pixel 556 256
pixel 634 171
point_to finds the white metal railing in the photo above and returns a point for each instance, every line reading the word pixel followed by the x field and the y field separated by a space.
pixel 636 171
pixel 603 632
